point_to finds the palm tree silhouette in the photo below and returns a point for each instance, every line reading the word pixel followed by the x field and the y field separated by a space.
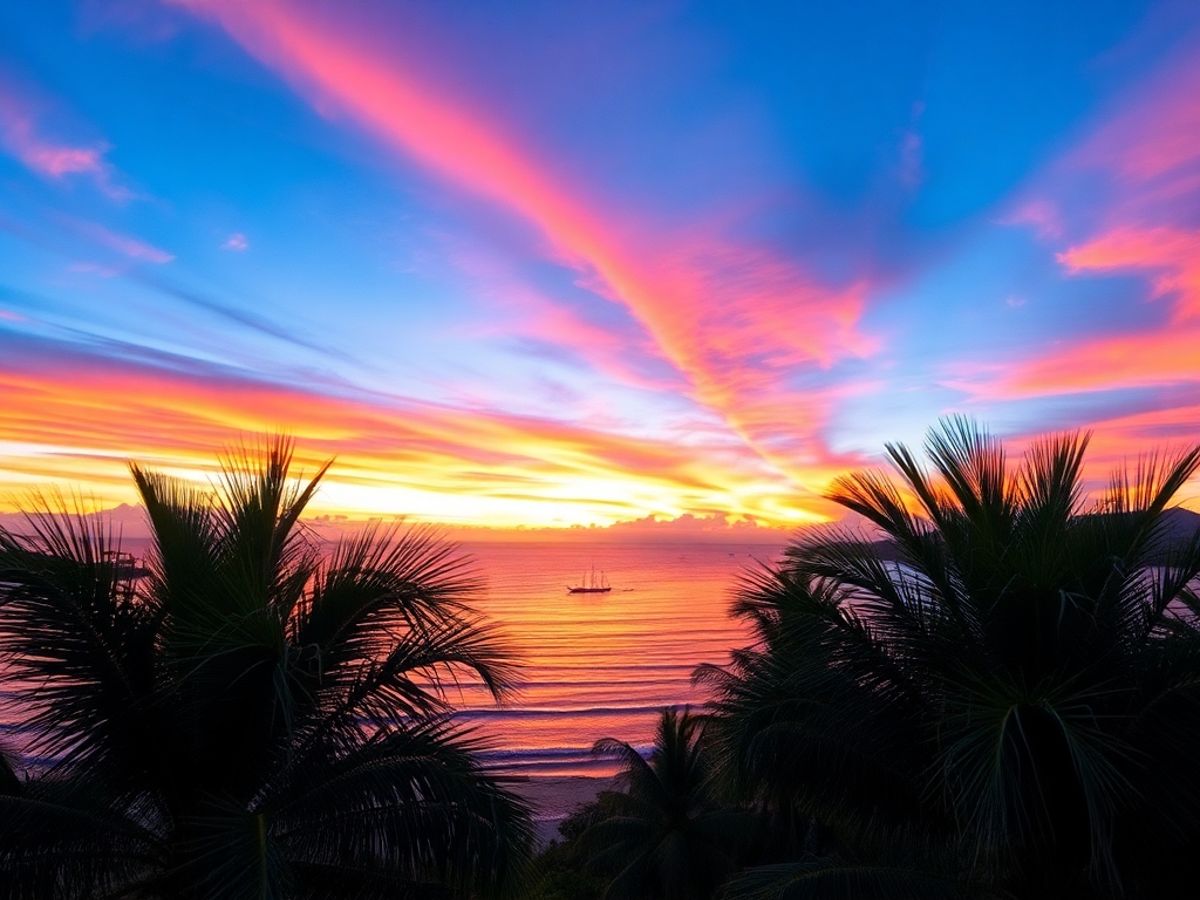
pixel 260 716
pixel 1002 698
pixel 666 834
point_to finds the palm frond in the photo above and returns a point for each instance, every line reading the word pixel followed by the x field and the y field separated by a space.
pixel 973 465
pixel 260 504
pixel 410 802
pixel 66 838
pixel 388 578
pixel 413 680
pixel 254 718
pixel 79 645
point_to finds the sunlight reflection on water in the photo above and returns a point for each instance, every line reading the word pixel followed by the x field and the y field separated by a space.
pixel 602 665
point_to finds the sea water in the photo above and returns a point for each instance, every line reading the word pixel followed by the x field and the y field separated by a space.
pixel 601 665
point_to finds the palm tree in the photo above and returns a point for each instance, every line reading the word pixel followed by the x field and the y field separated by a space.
pixel 1001 697
pixel 666 835
pixel 260 716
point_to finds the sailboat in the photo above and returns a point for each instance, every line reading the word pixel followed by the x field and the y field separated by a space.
pixel 589 584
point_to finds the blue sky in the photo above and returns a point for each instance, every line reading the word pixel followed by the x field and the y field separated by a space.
pixel 563 264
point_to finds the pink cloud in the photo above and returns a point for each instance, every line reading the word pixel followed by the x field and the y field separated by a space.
pixel 1171 256
pixel 236 242
pixel 1144 360
pixel 734 319
pixel 1141 163
pixel 1039 214
pixel 20 136
pixel 125 245
pixel 59 161
pixel 122 244
pixel 1152 136
pixel 1154 357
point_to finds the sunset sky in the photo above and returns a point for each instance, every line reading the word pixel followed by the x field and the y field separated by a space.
pixel 554 264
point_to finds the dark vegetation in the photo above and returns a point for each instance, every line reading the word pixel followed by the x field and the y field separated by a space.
pixel 1003 702
pixel 1006 703
pixel 256 718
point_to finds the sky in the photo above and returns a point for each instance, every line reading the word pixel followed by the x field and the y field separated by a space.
pixel 545 264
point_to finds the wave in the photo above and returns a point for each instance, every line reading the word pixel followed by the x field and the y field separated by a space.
pixel 551 753
pixel 481 713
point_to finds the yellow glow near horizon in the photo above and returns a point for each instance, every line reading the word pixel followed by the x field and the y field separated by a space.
pixel 76 432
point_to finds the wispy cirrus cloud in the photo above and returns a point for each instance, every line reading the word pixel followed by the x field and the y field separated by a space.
pixel 737 320
pixel 237 313
pixel 143 263
pixel 912 150
pixel 24 136
pixel 1134 182
pixel 125 245
pixel 1150 141
pixel 1038 213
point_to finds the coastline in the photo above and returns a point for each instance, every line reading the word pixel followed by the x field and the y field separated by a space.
pixel 554 797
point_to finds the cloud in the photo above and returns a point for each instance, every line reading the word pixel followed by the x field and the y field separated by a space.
pixel 1039 214
pixel 1138 168
pixel 1169 254
pixel 236 242
pixel 154 278
pixel 912 165
pixel 80 411
pixel 912 150
pixel 22 138
pixel 234 312
pixel 1151 138
pixel 738 320
pixel 1157 355
pixel 122 244
pixel 90 268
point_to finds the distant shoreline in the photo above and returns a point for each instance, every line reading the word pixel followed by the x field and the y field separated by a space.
pixel 554 797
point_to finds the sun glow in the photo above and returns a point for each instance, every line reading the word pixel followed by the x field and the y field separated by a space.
pixel 508 282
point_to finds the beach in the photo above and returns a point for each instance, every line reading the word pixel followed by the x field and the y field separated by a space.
pixel 553 798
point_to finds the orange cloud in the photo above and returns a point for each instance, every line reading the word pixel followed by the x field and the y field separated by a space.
pixel 76 419
pixel 1152 359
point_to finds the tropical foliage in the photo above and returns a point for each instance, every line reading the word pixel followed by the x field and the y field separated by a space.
pixel 259 716
pixel 990 690
pixel 666 834
pixel 1002 699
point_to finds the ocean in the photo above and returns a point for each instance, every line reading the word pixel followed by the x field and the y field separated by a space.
pixel 601 665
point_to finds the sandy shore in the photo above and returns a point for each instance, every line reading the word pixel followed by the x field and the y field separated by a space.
pixel 553 798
